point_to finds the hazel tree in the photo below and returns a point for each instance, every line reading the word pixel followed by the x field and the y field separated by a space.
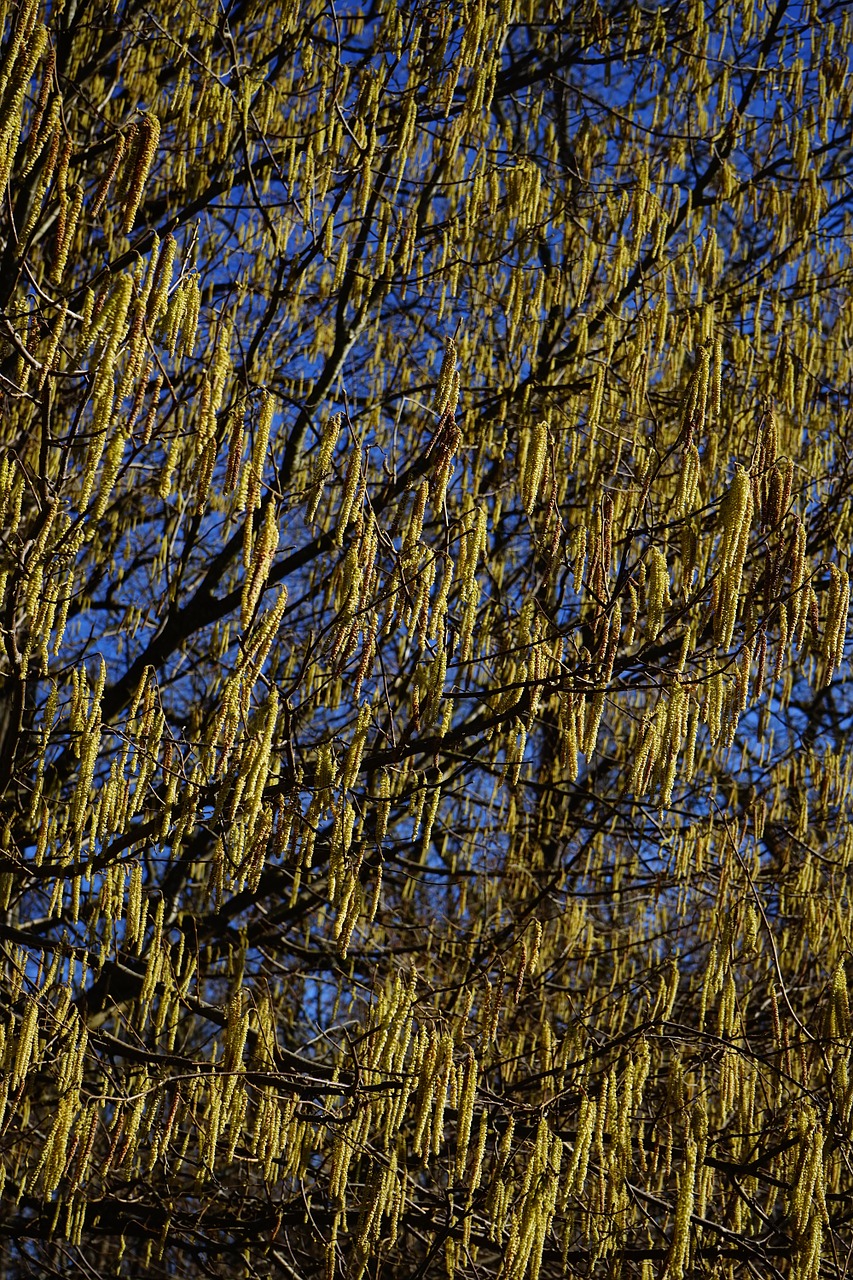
pixel 425 716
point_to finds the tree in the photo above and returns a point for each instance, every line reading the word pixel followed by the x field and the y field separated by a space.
pixel 426 726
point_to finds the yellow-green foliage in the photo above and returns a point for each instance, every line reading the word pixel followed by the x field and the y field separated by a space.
pixel 425 720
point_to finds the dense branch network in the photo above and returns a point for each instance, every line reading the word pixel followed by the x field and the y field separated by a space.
pixel 424 718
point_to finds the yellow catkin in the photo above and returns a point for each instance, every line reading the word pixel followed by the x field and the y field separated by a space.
pixel 263 554
pixel 249 492
pixel 835 628
pixel 658 597
pixel 323 465
pixel 26 1043
pixel 352 763
pixel 22 58
pixel 161 281
pixel 147 139
pixel 70 211
pixel 103 392
pixel 119 150
pixel 533 467
pixel 190 314
pixel 465 1113
pixel 735 519
pixel 445 378
pixel 352 481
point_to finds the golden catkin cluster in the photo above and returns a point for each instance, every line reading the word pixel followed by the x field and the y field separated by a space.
pixel 425 750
